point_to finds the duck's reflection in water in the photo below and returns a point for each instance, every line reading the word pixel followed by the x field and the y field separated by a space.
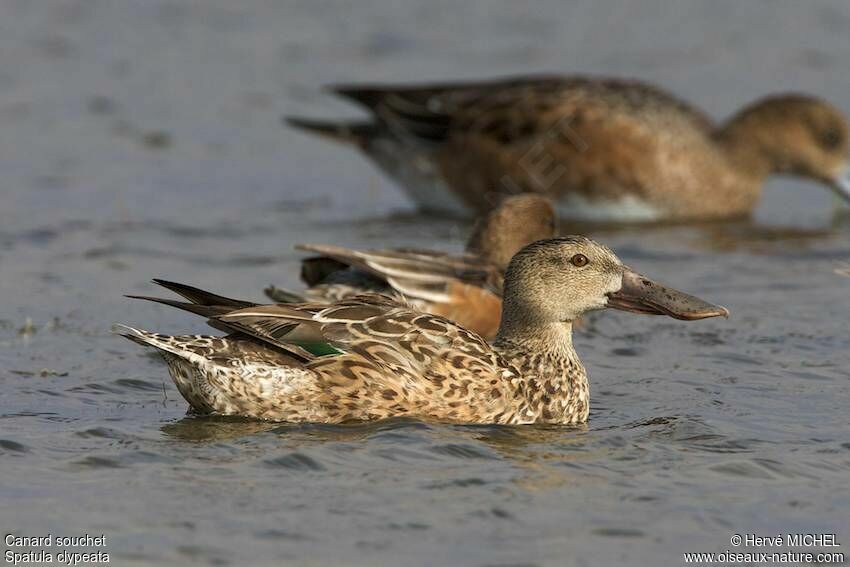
pixel 544 456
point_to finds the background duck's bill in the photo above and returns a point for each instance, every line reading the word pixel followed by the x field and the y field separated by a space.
pixel 640 294
pixel 841 185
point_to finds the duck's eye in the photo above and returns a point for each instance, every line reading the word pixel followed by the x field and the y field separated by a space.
pixel 579 260
pixel 831 139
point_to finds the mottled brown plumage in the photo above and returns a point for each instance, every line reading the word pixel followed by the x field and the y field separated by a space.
pixel 465 288
pixel 604 149
pixel 372 357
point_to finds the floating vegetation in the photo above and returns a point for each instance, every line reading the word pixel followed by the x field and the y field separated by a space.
pixel 28 329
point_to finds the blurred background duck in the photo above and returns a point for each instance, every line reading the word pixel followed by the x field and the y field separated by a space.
pixel 606 150
pixel 466 288
pixel 371 357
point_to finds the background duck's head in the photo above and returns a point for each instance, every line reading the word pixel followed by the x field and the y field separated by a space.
pixel 796 135
pixel 517 221
pixel 558 280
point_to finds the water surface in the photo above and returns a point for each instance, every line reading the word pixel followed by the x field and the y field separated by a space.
pixel 142 139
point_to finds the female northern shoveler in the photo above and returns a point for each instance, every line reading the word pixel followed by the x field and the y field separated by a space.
pixel 466 288
pixel 604 149
pixel 371 357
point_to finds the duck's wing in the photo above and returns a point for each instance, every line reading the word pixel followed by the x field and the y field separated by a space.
pixel 513 110
pixel 391 360
pixel 430 112
pixel 306 330
pixel 350 325
pixel 417 274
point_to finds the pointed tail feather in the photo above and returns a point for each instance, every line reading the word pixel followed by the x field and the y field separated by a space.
pixel 208 311
pixel 202 310
pixel 201 302
pixel 137 336
pixel 367 96
pixel 201 297
pixel 346 132
pixel 148 339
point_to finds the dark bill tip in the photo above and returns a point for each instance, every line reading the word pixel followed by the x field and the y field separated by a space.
pixel 640 294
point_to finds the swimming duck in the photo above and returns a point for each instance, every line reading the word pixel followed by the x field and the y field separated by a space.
pixel 372 357
pixel 466 288
pixel 604 149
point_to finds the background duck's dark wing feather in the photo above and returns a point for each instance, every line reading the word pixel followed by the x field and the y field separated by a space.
pixel 317 269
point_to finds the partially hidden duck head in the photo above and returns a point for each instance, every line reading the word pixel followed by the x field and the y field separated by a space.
pixel 792 134
pixel 518 220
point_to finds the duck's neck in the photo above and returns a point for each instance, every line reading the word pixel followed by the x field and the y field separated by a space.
pixel 553 382
pixel 556 337
pixel 754 140
pixel 488 245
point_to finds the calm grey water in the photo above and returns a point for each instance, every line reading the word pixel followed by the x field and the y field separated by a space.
pixel 142 139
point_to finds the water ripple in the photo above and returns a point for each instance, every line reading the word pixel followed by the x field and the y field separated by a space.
pixel 8 446
pixel 462 451
pixel 295 461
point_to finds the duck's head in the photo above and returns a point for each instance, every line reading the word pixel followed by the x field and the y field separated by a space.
pixel 560 279
pixel 796 135
pixel 517 221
